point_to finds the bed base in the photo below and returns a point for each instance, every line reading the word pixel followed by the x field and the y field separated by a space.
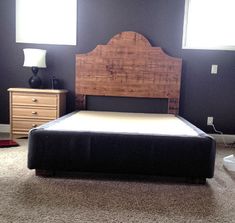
pixel 53 173
pixel 44 173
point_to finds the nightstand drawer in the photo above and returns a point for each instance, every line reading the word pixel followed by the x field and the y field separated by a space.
pixel 34 113
pixel 26 125
pixel 43 100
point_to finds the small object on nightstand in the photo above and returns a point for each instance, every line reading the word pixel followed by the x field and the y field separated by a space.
pixel 55 83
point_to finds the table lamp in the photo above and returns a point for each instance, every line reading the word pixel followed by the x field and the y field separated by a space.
pixel 35 58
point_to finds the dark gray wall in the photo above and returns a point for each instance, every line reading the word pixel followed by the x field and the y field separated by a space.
pixel 161 21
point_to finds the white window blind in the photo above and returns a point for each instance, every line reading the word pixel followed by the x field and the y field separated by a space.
pixel 209 24
pixel 46 21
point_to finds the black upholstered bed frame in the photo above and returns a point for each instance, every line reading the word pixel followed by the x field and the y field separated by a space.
pixel 128 67
pixel 104 152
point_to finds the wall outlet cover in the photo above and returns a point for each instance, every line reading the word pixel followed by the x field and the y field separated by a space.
pixel 210 120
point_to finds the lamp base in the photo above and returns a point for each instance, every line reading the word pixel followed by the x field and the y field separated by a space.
pixel 35 81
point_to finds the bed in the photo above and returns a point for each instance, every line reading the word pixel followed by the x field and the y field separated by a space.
pixel 124 142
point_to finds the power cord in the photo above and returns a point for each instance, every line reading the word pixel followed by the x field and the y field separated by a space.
pixel 222 135
pixel 226 161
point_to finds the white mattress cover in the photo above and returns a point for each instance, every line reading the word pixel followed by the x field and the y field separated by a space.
pixel 122 122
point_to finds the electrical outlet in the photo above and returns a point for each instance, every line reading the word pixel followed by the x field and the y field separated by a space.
pixel 210 120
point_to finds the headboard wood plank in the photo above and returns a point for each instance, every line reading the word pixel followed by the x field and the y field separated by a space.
pixel 128 66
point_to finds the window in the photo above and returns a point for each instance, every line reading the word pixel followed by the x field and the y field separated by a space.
pixel 46 21
pixel 209 24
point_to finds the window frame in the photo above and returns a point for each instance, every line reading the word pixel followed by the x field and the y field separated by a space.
pixel 186 45
pixel 46 22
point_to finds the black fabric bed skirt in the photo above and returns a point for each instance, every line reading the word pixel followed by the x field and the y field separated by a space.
pixel 122 153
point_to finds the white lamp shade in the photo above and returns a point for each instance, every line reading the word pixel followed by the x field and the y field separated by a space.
pixel 34 58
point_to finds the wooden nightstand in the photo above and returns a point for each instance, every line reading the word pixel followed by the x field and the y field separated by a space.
pixel 30 108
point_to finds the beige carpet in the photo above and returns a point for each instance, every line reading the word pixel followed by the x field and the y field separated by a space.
pixel 27 198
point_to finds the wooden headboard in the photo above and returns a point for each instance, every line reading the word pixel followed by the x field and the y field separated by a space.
pixel 128 66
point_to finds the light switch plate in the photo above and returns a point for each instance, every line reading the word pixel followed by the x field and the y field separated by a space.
pixel 214 69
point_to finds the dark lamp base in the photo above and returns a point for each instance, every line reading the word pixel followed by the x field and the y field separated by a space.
pixel 35 81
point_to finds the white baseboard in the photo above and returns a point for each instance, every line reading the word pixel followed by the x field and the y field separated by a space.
pixel 5 128
pixel 223 138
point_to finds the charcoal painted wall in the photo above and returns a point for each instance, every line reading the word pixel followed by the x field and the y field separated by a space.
pixel 161 21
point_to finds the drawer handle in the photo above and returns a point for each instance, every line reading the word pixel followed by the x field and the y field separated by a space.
pixel 34 113
pixel 34 125
pixel 34 99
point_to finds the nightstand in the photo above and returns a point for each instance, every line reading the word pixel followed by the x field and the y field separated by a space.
pixel 30 108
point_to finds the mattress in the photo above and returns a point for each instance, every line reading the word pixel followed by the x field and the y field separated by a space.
pixel 116 142
pixel 122 122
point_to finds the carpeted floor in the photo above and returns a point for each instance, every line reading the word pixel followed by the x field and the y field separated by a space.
pixel 27 198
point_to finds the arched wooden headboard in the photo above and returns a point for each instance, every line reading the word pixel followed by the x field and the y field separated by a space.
pixel 128 66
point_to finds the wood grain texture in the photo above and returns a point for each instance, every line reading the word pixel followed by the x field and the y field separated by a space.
pixel 30 108
pixel 128 66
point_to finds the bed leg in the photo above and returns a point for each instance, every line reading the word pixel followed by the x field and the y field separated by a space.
pixel 198 180
pixel 44 173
